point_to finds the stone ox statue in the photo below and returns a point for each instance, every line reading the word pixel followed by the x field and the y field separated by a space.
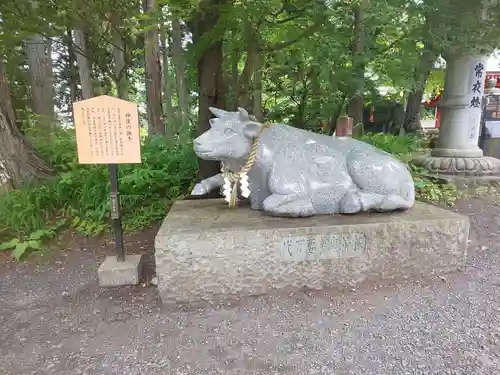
pixel 298 173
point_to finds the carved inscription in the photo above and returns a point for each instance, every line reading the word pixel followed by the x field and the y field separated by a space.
pixel 334 245
pixel 477 86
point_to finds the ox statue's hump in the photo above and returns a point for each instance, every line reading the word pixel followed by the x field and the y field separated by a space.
pixel 284 137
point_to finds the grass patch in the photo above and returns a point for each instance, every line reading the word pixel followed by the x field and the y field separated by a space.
pixel 79 196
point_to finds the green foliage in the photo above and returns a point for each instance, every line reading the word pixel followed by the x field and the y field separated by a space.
pixel 34 241
pixel 395 145
pixel 58 148
pixel 81 193
pixel 429 190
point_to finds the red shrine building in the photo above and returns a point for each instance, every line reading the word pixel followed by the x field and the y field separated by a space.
pixel 434 101
pixel 493 75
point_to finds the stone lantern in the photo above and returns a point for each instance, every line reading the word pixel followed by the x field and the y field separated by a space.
pixel 457 152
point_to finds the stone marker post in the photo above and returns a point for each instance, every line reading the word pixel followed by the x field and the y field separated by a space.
pixel 344 127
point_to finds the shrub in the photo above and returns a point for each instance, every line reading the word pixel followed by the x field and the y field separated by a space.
pixel 393 144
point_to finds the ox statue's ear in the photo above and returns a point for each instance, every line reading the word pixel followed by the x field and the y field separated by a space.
pixel 243 114
pixel 212 122
pixel 218 112
pixel 252 129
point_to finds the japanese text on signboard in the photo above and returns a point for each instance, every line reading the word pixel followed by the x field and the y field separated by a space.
pixel 107 131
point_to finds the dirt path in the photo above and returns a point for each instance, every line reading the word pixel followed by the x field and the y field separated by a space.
pixel 54 319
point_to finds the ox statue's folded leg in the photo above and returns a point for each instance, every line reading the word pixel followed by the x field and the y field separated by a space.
pixel 209 184
pixel 382 184
pixel 357 201
pixel 289 197
pixel 289 205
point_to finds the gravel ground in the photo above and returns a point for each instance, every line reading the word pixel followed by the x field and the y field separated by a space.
pixel 54 319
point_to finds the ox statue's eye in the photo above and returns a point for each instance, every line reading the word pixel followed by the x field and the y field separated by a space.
pixel 228 131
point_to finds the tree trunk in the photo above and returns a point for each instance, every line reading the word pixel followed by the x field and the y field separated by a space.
pixel 119 56
pixel 178 59
pixel 355 107
pixel 71 69
pixel 153 76
pixel 38 53
pixel 251 62
pixel 421 73
pixel 209 73
pixel 167 84
pixel 331 126
pixel 84 64
pixel 235 74
pixel 19 162
pixel 257 110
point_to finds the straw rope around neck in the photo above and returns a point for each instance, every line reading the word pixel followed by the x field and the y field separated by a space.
pixel 231 179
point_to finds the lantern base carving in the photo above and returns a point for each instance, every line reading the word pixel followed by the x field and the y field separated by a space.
pixel 460 166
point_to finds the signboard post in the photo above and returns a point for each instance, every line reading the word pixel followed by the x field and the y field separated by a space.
pixel 116 213
pixel 107 132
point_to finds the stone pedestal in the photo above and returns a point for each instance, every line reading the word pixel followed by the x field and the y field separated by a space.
pixel 206 251
pixel 457 151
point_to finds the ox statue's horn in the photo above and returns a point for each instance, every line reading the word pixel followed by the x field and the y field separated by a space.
pixel 218 112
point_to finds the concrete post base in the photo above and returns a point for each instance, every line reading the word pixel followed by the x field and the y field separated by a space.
pixel 114 273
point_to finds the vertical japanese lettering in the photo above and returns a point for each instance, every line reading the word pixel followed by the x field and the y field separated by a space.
pixel 110 125
pixel 477 86
pixel 101 118
pixel 311 246
pixel 112 137
pixel 478 69
pixel 128 125
pixel 287 244
pixel 86 122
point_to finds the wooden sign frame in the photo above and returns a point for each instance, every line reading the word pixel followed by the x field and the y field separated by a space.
pixel 107 131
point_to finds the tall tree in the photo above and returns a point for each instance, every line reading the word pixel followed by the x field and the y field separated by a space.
pixel 118 45
pixel 19 162
pixel 421 74
pixel 153 74
pixel 209 72
pixel 83 63
pixel 257 109
pixel 166 78
pixel 70 68
pixel 39 58
pixel 355 106
pixel 180 72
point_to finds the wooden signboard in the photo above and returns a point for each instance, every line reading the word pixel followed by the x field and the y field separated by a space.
pixel 107 131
